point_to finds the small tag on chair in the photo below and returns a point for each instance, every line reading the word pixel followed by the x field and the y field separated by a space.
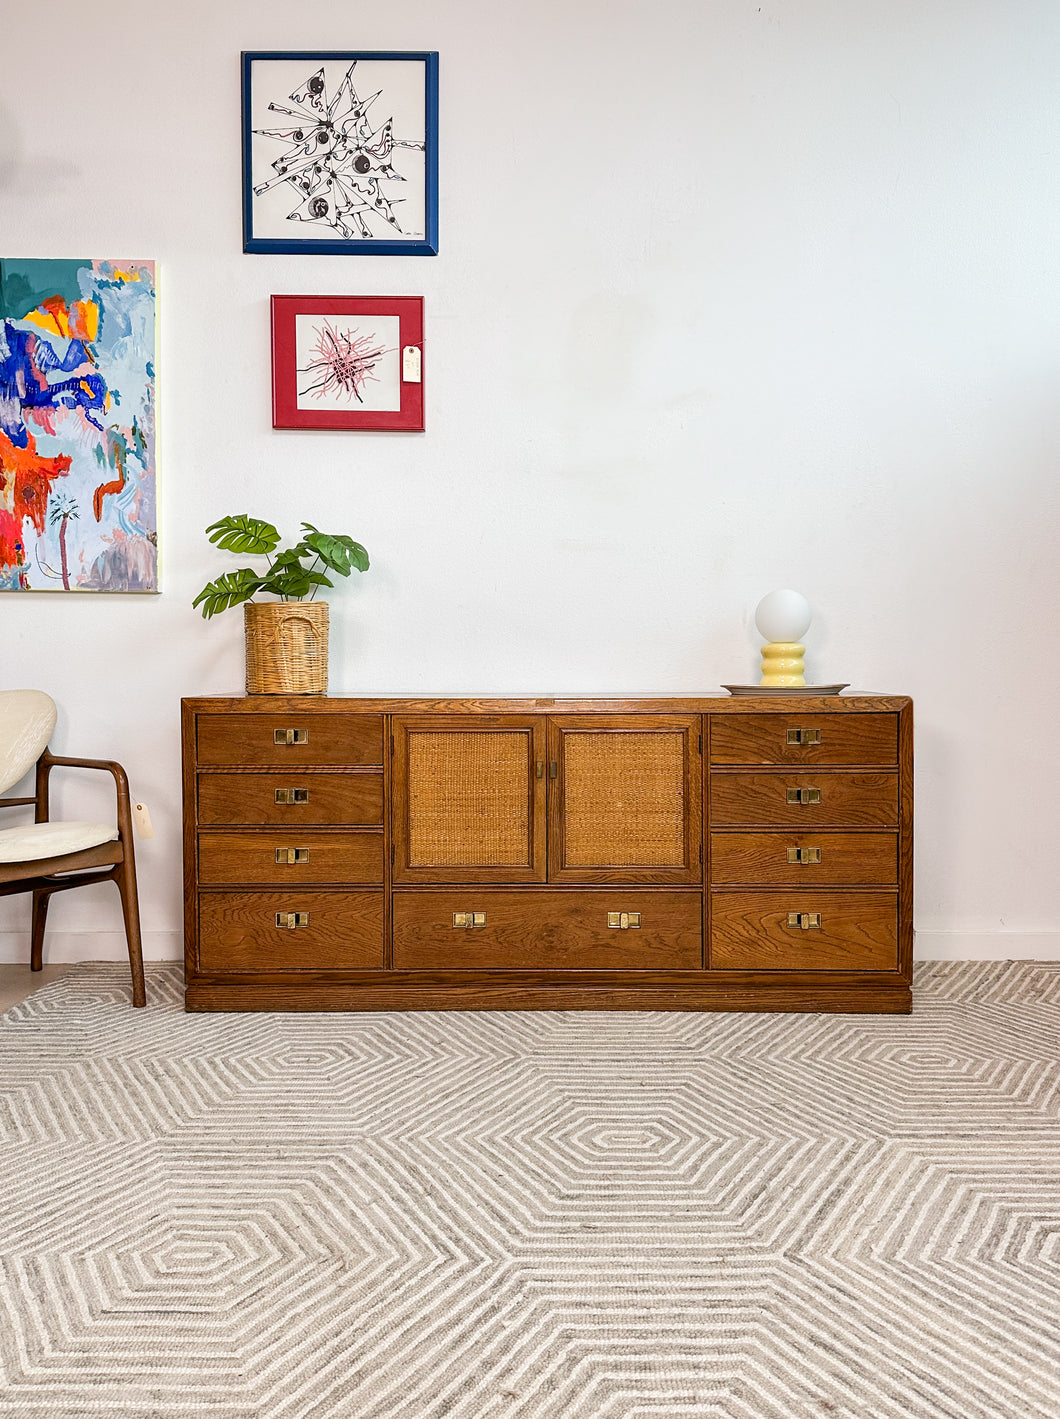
pixel 142 821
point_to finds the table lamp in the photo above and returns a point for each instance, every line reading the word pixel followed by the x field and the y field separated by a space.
pixel 782 618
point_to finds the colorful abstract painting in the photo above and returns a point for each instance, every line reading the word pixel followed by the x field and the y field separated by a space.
pixel 77 426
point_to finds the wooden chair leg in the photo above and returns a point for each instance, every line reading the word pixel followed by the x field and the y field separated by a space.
pixel 126 880
pixel 41 898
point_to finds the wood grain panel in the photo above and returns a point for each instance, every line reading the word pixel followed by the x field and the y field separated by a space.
pixel 848 800
pixel 847 859
pixel 750 931
pixel 238 931
pixel 845 739
pixel 547 930
pixel 339 858
pixel 233 798
pixel 719 703
pixel 334 739
pixel 905 847
pixel 189 814
pixel 872 994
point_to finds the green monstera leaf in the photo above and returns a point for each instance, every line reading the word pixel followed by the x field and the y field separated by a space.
pixel 290 580
pixel 341 554
pixel 229 590
pixel 244 534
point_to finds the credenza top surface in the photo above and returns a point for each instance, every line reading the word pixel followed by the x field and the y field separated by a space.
pixel 714 702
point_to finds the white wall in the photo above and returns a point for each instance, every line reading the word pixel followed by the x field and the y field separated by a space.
pixel 730 296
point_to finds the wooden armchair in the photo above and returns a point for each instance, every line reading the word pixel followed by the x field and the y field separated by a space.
pixel 44 856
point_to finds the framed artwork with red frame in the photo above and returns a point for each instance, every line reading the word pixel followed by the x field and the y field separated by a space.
pixel 347 362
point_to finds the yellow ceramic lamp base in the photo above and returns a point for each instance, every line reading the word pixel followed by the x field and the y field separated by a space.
pixel 783 664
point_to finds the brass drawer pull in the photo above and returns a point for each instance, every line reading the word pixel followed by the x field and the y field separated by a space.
pixel 806 921
pixel 467 921
pixel 623 921
pixel 290 855
pixel 290 736
pixel 804 855
pixel 804 736
pixel 804 795
pixel 540 768
pixel 553 768
pixel 292 795
pixel 290 921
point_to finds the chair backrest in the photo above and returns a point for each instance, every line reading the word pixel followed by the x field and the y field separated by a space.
pixel 27 718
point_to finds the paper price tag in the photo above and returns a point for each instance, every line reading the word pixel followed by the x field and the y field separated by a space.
pixel 411 364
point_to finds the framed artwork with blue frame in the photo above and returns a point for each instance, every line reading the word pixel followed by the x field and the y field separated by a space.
pixel 340 153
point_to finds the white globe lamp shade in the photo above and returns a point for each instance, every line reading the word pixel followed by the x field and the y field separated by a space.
pixel 783 616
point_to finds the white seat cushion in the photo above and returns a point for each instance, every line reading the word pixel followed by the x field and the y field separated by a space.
pixel 36 840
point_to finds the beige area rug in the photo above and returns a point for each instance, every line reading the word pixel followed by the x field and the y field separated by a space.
pixel 557 1215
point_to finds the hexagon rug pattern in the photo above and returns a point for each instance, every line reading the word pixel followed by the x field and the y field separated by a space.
pixel 554 1215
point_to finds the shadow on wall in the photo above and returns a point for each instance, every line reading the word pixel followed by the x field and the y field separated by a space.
pixel 10 148
pixel 14 160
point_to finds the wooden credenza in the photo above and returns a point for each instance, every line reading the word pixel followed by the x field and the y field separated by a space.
pixel 705 853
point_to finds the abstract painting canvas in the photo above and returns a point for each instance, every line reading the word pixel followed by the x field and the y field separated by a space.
pixel 77 426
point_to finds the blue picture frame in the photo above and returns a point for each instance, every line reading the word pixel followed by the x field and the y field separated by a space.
pixel 312 157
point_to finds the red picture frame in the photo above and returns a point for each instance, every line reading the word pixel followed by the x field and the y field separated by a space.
pixel 347 362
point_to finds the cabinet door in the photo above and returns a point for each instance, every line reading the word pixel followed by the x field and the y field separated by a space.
pixel 469 798
pixel 625 798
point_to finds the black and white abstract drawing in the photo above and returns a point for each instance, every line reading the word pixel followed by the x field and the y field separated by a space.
pixel 339 153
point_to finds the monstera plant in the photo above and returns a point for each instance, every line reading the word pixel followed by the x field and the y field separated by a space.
pixel 286 646
pixel 293 574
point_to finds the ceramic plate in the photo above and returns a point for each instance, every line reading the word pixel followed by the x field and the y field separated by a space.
pixel 784 689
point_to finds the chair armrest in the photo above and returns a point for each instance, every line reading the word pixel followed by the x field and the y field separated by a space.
pixel 49 761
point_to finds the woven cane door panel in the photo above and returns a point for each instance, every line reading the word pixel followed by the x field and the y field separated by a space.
pixel 470 811
pixel 628 806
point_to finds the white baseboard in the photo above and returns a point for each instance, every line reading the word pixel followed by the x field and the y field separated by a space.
pixel 62 946
pixel 987 946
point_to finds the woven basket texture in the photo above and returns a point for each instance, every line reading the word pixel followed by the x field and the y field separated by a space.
pixel 468 799
pixel 286 647
pixel 623 799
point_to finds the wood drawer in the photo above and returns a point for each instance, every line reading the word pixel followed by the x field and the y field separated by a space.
pixel 846 859
pixel 844 739
pixel 848 800
pixel 251 858
pixel 532 930
pixel 238 931
pixel 750 931
pixel 249 740
pixel 232 798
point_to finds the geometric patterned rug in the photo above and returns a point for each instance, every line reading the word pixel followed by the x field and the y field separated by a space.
pixel 534 1215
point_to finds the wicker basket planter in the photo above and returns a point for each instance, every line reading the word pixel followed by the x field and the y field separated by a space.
pixel 287 647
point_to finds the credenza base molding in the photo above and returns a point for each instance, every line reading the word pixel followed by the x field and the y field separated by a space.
pixel 703 996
